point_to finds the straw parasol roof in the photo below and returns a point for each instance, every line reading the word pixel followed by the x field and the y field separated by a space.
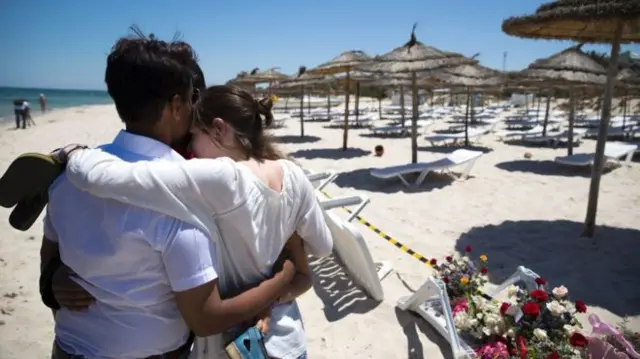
pixel 474 76
pixel 305 79
pixel 570 67
pixel 629 77
pixel 257 76
pixel 414 56
pixel 344 62
pixel 580 20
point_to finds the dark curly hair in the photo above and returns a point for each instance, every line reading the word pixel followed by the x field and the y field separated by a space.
pixel 143 74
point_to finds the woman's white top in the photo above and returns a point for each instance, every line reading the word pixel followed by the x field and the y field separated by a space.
pixel 254 221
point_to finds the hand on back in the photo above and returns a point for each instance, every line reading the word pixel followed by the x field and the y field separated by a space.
pixel 69 294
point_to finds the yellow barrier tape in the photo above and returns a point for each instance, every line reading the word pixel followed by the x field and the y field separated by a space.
pixel 398 244
pixel 387 237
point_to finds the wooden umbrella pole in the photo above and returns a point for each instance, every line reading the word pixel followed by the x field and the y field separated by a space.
pixel 598 162
pixel 301 111
pixel 414 118
pixel 402 111
pixel 572 118
pixel 466 120
pixel 546 114
pixel 345 135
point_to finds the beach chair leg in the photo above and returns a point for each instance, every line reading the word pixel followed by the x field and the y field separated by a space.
pixel 522 274
pixel 421 178
pixel 385 269
pixel 627 159
pixel 467 169
pixel 404 181
pixel 424 301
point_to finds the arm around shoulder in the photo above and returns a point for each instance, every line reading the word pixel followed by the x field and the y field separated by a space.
pixel 190 261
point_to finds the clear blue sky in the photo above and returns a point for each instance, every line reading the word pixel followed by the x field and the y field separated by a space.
pixel 63 43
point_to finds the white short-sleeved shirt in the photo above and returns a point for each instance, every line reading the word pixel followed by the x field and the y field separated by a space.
pixel 254 221
pixel 131 260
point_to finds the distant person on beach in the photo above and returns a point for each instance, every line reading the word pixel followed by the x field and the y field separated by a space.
pixel 43 103
pixel 151 83
pixel 18 111
pixel 27 120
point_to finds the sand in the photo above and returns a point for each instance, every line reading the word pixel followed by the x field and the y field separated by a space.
pixel 517 211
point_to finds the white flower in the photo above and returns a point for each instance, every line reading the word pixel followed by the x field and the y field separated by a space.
pixel 479 315
pixel 569 329
pixel 556 308
pixel 512 290
pixel 486 331
pixel 560 292
pixel 540 334
pixel 479 302
pixel 462 321
pixel 511 333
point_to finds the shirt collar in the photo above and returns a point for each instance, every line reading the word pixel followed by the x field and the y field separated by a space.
pixel 145 146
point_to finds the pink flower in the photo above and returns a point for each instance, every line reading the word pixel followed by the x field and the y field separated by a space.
pixel 497 350
pixel 459 305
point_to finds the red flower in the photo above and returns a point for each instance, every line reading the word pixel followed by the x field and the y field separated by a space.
pixel 531 309
pixel 504 307
pixel 553 355
pixel 578 340
pixel 522 347
pixel 484 270
pixel 445 279
pixel 580 306
pixel 449 258
pixel 467 249
pixel 540 281
pixel 433 262
pixel 539 295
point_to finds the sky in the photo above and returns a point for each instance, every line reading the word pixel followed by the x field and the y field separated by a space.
pixel 64 43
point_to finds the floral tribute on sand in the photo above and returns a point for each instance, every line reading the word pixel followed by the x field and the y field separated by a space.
pixel 534 324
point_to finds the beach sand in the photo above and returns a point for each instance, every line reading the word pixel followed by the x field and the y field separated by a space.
pixel 517 211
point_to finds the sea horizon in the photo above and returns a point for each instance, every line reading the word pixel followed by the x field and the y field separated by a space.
pixel 56 99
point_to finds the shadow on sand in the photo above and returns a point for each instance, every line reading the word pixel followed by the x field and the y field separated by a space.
pixel 295 139
pixel 330 153
pixel 411 323
pixel 337 291
pixel 361 179
pixel 548 168
pixel 602 271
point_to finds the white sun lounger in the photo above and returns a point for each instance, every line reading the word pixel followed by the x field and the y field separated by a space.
pixel 398 130
pixel 510 135
pixel 321 179
pixel 432 303
pixel 459 136
pixel 350 247
pixel 553 138
pixel 613 151
pixel 456 158
pixel 363 121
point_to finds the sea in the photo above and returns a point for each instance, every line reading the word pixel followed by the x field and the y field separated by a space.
pixel 56 99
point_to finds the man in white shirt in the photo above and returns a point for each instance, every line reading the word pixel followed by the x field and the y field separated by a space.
pixel 153 276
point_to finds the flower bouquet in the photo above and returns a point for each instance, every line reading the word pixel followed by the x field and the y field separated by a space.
pixel 462 277
pixel 542 324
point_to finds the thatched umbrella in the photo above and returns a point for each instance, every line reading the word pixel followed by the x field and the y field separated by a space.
pixel 414 57
pixel 608 21
pixel 570 69
pixel 344 63
pixel 355 78
pixel 629 81
pixel 398 81
pixel 474 78
pixel 256 77
pixel 302 80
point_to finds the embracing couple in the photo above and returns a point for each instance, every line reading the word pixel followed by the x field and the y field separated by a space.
pixel 165 248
